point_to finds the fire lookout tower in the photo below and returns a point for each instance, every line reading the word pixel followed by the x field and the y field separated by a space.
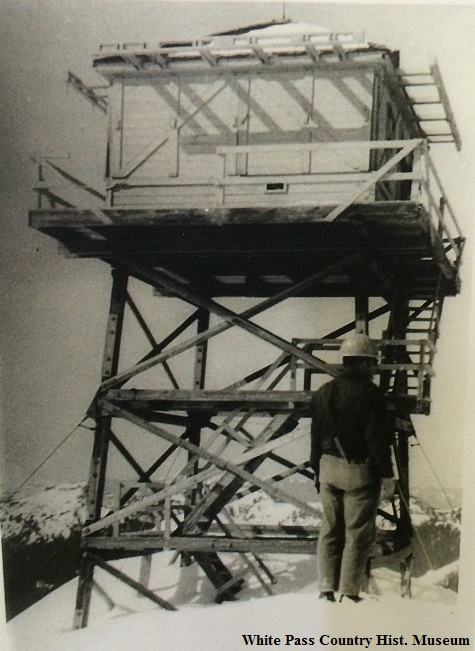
pixel 268 162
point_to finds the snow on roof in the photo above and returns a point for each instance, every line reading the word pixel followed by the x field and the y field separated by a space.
pixel 285 29
pixel 248 44
pixel 288 32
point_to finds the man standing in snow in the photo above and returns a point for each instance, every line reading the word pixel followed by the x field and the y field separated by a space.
pixel 351 458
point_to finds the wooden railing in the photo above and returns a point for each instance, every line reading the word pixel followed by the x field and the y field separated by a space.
pixel 414 358
pixel 425 184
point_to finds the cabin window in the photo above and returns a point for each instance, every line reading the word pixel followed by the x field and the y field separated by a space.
pixel 277 187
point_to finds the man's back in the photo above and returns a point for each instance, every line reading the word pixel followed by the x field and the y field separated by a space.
pixel 349 418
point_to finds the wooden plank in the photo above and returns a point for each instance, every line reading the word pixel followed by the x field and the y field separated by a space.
pixel 110 362
pixel 157 192
pixel 319 146
pixel 241 66
pixel 160 180
pixel 269 544
pixel 313 179
pixel 144 203
pixel 72 218
pixel 279 400
pixel 115 126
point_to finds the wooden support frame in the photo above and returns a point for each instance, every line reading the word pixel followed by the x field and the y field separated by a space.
pixel 103 432
pixel 314 233
pixel 191 529
pixel 110 365
pixel 160 280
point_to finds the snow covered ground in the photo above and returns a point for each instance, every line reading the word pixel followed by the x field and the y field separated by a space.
pixel 132 622
pixel 121 620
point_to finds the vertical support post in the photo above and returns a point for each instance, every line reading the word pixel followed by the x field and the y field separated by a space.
pixel 361 304
pixel 404 524
pixel 401 446
pixel 145 571
pixel 199 375
pixel 406 574
pixel 83 596
pixel 41 180
pixel 97 473
pixel 201 352
pixel 110 364
pixel 194 430
pixel 307 380
pixel 242 125
pixel 402 456
pixel 418 169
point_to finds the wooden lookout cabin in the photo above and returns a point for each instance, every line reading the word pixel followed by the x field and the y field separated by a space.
pixel 269 162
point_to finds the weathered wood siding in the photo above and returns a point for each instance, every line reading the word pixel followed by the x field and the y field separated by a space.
pixel 164 135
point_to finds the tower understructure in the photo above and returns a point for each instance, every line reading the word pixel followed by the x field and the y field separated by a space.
pixel 259 164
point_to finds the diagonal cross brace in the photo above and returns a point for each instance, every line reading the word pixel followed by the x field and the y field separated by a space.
pixel 374 178
pixel 231 318
pixel 219 464
pixel 156 144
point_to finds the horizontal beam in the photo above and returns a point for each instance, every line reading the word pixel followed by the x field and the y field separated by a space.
pixel 268 401
pixel 261 402
pixel 254 216
pixel 204 544
pixel 232 180
pixel 302 63
pixel 257 545
pixel 320 146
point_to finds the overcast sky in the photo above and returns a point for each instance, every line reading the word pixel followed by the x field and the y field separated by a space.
pixel 54 310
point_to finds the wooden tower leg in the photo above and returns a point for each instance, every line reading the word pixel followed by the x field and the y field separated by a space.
pixel 361 304
pixel 194 430
pixel 97 473
pixel 402 455
pixel 406 575
pixel 401 447
pixel 83 597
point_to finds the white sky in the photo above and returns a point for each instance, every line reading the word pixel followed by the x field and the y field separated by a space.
pixel 54 309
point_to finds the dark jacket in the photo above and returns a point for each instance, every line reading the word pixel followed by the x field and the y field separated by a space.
pixel 353 410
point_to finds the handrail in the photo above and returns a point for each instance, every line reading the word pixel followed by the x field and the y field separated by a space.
pixel 443 224
pixel 420 370
pixel 44 189
pixel 447 204
pixel 427 188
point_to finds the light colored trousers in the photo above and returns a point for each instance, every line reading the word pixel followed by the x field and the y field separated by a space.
pixel 350 498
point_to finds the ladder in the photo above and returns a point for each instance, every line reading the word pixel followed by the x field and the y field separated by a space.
pixel 431 105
